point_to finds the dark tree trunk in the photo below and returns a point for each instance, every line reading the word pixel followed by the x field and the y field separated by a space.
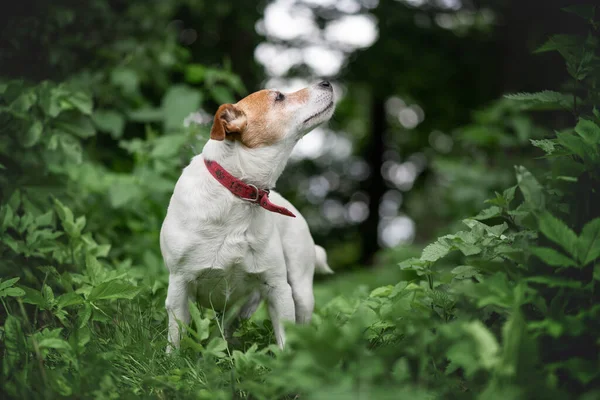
pixel 375 184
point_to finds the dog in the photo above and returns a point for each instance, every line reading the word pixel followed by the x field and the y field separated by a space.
pixel 227 239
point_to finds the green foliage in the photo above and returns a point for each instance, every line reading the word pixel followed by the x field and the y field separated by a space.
pixel 505 307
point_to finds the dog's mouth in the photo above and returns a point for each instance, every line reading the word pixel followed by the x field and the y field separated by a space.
pixel 323 111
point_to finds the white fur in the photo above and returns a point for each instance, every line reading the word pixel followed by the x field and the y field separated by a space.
pixel 225 252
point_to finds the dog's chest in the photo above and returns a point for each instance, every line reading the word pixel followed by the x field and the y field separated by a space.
pixel 233 268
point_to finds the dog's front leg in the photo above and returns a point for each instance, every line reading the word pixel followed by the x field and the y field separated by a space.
pixel 281 306
pixel 177 308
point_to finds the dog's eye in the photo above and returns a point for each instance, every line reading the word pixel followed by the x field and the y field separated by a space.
pixel 279 97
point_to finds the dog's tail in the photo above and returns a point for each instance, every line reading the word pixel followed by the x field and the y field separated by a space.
pixel 321 266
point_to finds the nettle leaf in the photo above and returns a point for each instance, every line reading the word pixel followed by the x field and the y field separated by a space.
pixel 415 264
pixel 531 188
pixel 588 245
pixel 575 145
pixel 557 231
pixel 546 97
pixel 561 43
pixel 113 290
pixel 548 146
pixel 488 213
pixel 466 272
pixel 552 257
pixel 435 251
pixel 588 130
pixel 494 290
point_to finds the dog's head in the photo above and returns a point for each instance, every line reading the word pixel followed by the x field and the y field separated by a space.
pixel 268 116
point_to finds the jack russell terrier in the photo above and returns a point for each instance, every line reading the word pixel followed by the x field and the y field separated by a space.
pixel 227 239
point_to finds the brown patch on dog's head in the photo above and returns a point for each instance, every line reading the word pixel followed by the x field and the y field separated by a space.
pixel 258 120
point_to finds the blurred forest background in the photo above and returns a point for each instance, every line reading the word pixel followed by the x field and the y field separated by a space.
pixel 103 102
pixel 410 75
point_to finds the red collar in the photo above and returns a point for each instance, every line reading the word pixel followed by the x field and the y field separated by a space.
pixel 243 190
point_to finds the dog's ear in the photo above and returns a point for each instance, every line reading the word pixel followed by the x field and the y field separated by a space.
pixel 228 119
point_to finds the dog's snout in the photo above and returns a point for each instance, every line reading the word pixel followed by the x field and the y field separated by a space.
pixel 325 85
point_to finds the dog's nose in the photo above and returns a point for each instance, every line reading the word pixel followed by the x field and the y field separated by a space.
pixel 325 84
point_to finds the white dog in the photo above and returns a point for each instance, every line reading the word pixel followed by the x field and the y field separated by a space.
pixel 223 241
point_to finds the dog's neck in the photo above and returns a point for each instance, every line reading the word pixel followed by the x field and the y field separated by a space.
pixel 259 166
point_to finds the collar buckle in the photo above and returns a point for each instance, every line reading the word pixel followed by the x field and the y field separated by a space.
pixel 255 199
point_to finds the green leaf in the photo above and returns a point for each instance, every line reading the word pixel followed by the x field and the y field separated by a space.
pixel 486 344
pixel 113 290
pixel 178 103
pixel 217 347
pixel 557 231
pixel 575 145
pixel 551 281
pixel 81 101
pixel 202 325
pixel 467 249
pixel 71 147
pixel 552 257
pixel 466 272
pixel 69 299
pixel 13 340
pixel 531 188
pixel 560 43
pixel 548 146
pixel 84 314
pixel 6 289
pixel 33 134
pixel 546 97
pixel 147 114
pixel 488 213
pixel 589 131
pixel 383 291
pixel 12 292
pixel 109 121
pixel 125 78
pixel 74 124
pixel 585 11
pixel 435 251
pixel 194 73
pixel 54 343
pixel 585 371
pixel 24 102
pixel 589 242
pixel 221 94
pixel 8 283
pixel 35 297
pixel 513 335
